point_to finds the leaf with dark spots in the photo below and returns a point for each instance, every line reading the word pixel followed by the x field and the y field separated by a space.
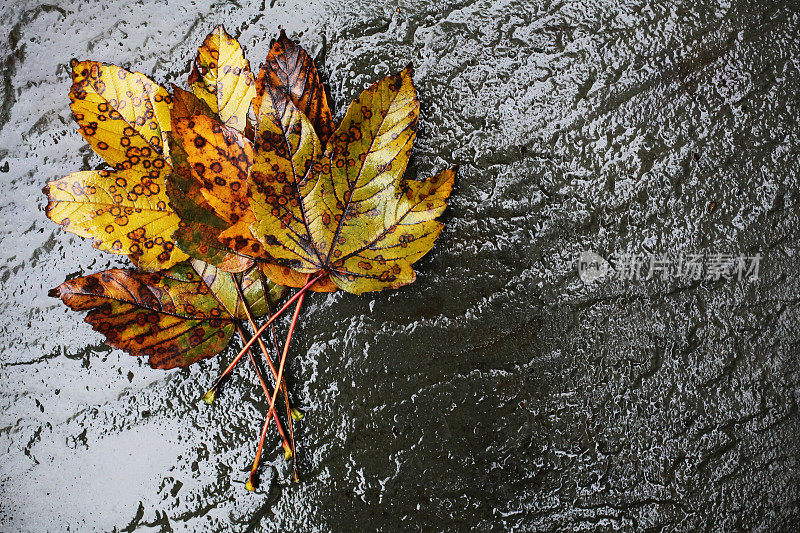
pixel 286 148
pixel 174 317
pixel 201 242
pixel 347 210
pixel 125 118
pixel 121 114
pixel 221 77
pixel 219 159
pixel 218 216
pixel 290 75
pixel 124 211
pixel 198 233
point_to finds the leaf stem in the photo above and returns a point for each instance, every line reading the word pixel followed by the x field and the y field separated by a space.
pixel 252 479
pixel 290 450
pixel 286 446
pixel 290 413
pixel 258 333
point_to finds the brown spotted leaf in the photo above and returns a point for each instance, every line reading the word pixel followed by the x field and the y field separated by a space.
pixel 221 77
pixel 125 212
pixel 198 233
pixel 348 211
pixel 123 115
pixel 286 149
pixel 174 317
pixel 289 75
pixel 219 158
pixel 207 190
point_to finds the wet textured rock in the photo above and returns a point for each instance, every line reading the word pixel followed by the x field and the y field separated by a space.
pixel 499 392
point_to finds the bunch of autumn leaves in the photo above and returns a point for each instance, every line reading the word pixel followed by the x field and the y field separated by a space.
pixel 226 194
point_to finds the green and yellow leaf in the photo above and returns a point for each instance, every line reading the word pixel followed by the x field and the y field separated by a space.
pixel 363 164
pixel 125 117
pixel 286 149
pixel 358 219
pixel 221 77
pixel 409 230
pixel 175 317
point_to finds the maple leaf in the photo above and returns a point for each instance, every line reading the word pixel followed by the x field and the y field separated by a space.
pixel 175 317
pixel 286 197
pixel 211 158
pixel 189 187
pixel 125 118
pixel 221 77
pixel 289 74
pixel 344 209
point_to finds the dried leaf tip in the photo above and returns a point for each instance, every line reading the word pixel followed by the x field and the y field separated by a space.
pixel 286 42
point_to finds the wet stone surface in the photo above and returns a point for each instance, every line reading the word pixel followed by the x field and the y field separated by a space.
pixel 499 392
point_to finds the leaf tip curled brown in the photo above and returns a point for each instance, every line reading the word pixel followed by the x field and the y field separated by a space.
pixel 55 292
pixel 52 204
pixel 50 200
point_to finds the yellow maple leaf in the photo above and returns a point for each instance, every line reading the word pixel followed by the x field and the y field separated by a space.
pixel 125 118
pixel 345 210
pixel 221 77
